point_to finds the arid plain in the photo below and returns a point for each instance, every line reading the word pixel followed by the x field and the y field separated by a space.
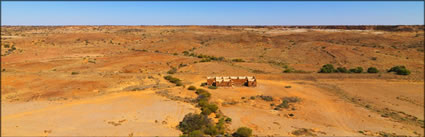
pixel 109 80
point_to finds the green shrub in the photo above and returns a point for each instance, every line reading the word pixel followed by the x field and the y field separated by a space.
pixel 372 70
pixel 403 72
pixel 196 133
pixel 359 70
pixel 185 53
pixel 400 70
pixel 238 60
pixel 212 87
pixel 192 122
pixel 228 120
pixel 211 130
pixel 203 84
pixel 328 68
pixel 173 80
pixel 203 94
pixel 356 70
pixel 205 60
pixel 75 73
pixel 179 83
pixel 243 132
pixel 191 88
pixel 342 70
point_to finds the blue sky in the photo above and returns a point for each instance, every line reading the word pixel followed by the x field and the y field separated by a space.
pixel 212 13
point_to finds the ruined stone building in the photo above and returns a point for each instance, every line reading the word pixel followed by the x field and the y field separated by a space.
pixel 230 81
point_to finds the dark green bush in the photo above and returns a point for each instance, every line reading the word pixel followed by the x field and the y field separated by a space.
pixel 372 70
pixel 238 60
pixel 356 70
pixel 185 53
pixel 359 70
pixel 328 68
pixel 191 88
pixel 342 70
pixel 173 80
pixel 243 132
pixel 212 87
pixel 211 130
pixel 400 70
pixel 196 133
pixel 205 60
pixel 209 108
pixel 228 120
pixel 192 122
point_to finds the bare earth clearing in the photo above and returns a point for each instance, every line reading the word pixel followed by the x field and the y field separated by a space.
pixel 108 80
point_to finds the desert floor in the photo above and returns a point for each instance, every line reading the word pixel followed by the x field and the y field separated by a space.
pixel 108 80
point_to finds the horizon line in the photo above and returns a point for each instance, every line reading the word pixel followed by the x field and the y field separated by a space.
pixel 230 25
